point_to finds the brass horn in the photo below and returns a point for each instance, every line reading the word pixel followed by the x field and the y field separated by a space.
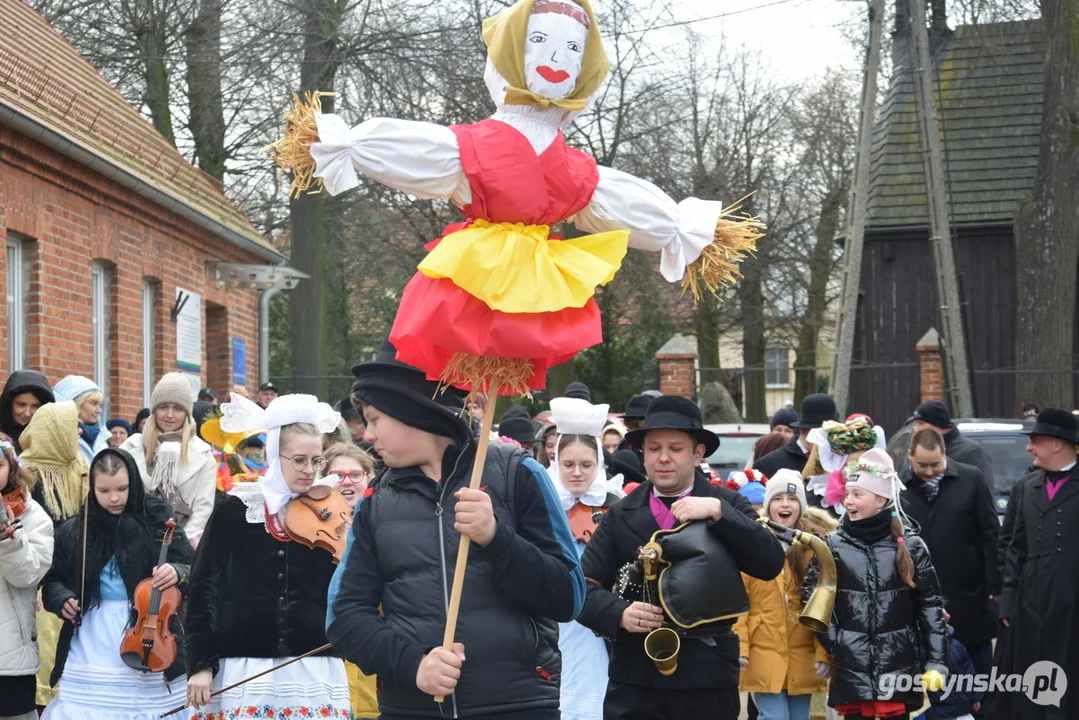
pixel 662 644
pixel 817 613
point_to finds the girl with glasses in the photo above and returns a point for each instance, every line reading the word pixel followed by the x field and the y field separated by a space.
pixel 352 470
pixel 577 469
pixel 258 599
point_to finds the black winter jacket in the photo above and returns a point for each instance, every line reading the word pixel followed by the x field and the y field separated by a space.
pixel 59 585
pixel 789 456
pixel 629 524
pixel 252 595
pixel 960 448
pixel 402 554
pixel 961 530
pixel 880 625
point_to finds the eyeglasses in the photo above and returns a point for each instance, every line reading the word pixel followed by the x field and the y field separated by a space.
pixel 586 467
pixel 300 462
pixel 355 476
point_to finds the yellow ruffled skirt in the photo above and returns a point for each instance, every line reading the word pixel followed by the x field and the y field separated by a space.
pixel 516 268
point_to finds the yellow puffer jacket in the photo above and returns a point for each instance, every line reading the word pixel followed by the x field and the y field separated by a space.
pixel 781 652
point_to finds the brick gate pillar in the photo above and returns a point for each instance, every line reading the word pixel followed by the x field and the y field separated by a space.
pixel 678 367
pixel 930 366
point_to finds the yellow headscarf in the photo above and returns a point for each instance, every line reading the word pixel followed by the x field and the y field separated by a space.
pixel 505 35
pixel 51 450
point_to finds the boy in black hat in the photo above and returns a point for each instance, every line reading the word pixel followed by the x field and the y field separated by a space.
pixel 816 409
pixel 705 683
pixel 1041 572
pixel 266 395
pixel 389 596
pixel 633 418
pixel 516 427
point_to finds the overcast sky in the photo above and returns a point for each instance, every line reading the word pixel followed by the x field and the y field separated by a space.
pixel 797 38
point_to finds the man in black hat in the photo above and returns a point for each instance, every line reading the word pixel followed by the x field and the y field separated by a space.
pixel 705 683
pixel 935 414
pixel 266 395
pixel 783 422
pixel 207 395
pixel 1041 571
pixel 389 596
pixel 816 409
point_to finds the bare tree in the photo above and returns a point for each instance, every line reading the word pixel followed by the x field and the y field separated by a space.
pixel 1047 226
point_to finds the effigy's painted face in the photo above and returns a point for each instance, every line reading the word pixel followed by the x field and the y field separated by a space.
pixel 554 52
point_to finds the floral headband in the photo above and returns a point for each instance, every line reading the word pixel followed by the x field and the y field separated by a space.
pixel 853 436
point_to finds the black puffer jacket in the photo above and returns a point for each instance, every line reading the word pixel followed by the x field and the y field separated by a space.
pixel 401 557
pixel 880 625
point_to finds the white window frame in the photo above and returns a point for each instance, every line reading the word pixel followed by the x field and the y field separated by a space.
pixel 101 312
pixel 149 297
pixel 17 286
pixel 785 368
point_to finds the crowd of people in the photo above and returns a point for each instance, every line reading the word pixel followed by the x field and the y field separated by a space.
pixel 927 582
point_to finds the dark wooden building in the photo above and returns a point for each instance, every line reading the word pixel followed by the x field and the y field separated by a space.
pixel 988 92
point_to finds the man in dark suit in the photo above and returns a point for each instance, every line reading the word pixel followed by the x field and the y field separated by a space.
pixel 705 683
pixel 816 409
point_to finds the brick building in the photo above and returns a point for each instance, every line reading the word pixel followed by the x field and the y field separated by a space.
pixel 107 230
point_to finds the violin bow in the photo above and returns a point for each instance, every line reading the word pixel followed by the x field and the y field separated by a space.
pixel 214 694
pixel 80 566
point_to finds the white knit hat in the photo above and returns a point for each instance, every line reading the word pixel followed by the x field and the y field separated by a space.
pixel 786 480
pixel 172 388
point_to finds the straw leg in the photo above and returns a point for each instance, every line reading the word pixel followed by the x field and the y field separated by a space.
pixel 462 549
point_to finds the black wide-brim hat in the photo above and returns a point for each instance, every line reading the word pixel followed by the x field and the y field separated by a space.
pixel 386 372
pixel 637 407
pixel 673 412
pixel 628 465
pixel 517 428
pixel 1056 423
pixel 817 409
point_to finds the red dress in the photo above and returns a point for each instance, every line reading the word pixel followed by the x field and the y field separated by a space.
pixel 509 184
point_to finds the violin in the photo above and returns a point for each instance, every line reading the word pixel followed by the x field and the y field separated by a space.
pixel 583 520
pixel 149 645
pixel 320 518
pixel 15 501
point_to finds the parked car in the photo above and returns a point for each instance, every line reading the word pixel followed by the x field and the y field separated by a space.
pixel 1007 447
pixel 1003 439
pixel 736 441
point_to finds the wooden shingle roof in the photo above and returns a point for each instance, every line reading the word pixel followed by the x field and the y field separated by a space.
pixel 988 93
pixel 44 79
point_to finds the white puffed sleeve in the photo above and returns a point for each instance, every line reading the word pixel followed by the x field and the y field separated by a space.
pixel 418 158
pixel 680 231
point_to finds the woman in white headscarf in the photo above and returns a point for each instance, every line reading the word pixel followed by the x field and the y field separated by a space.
pixel 258 599
pixel 578 474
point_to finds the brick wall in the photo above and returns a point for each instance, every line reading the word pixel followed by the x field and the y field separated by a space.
pixel 69 217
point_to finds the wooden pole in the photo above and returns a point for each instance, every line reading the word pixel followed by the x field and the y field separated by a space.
pixel 940 226
pixel 462 548
pixel 859 202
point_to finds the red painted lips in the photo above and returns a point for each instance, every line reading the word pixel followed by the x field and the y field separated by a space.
pixel 551 75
